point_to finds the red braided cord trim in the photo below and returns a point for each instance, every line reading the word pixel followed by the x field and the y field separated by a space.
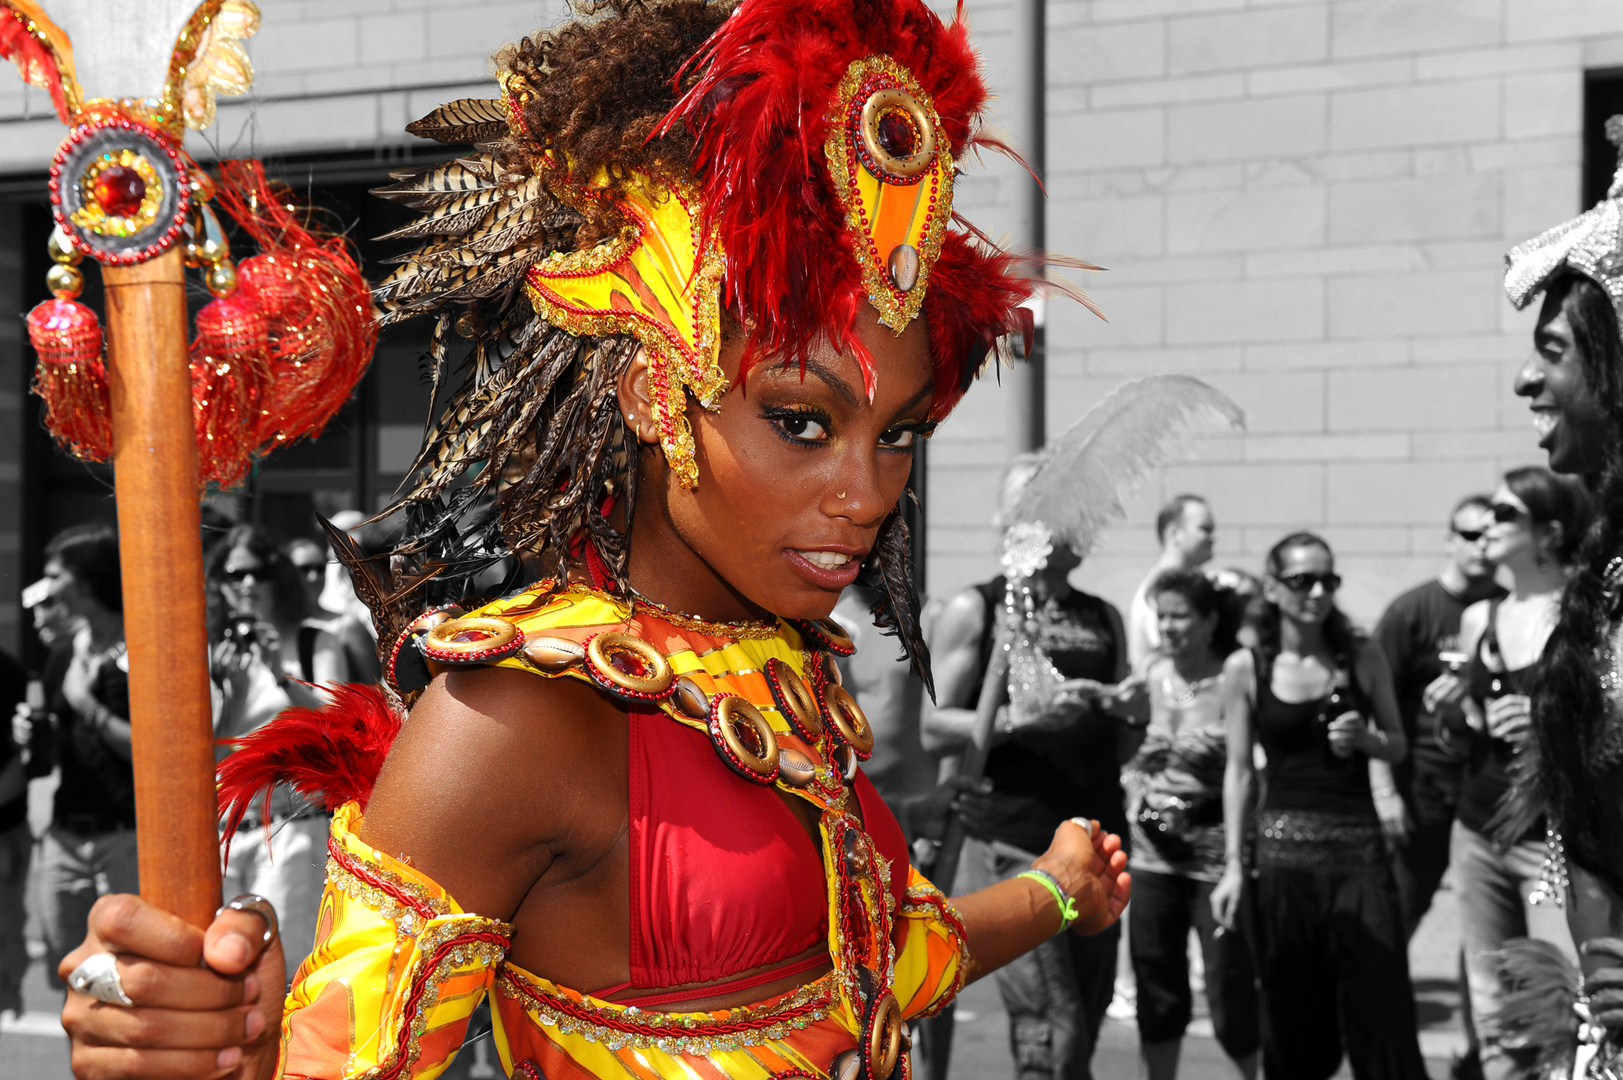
pixel 366 874
pixel 419 986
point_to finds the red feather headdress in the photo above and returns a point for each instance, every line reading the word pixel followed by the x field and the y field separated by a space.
pixel 780 97
pixel 827 136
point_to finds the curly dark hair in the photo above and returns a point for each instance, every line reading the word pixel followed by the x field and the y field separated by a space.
pixel 1569 772
pixel 598 87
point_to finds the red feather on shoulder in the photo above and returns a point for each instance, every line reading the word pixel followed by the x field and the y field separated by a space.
pixel 331 755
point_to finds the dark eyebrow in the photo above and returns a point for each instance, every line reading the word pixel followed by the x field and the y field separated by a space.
pixel 843 389
pixel 925 393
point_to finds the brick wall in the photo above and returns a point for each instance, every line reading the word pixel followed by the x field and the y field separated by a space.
pixel 1305 203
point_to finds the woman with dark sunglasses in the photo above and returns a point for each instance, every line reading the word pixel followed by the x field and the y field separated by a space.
pixel 1329 935
pixel 266 657
pixel 1538 519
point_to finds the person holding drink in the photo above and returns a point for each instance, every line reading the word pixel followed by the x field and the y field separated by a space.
pixel 1331 952
pixel 1420 634
pixel 1538 519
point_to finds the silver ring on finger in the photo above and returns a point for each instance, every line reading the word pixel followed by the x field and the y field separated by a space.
pixel 1085 823
pixel 258 905
pixel 98 977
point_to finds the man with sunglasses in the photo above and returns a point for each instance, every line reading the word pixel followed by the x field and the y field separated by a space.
pixel 1420 635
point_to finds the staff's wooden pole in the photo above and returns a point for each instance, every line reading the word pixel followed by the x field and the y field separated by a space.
pixel 161 555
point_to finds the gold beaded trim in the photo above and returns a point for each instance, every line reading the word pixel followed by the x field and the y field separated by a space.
pixel 673 1033
pixel 750 630
pixel 923 898
pixel 445 948
pixel 401 902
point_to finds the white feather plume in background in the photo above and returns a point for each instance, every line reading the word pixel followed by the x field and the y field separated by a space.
pixel 1089 471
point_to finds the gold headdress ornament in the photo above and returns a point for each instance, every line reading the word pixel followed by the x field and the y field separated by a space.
pixel 659 282
pixel 1591 244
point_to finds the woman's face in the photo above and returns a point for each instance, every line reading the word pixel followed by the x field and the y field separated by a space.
pixel 796 475
pixel 1184 631
pixel 245 583
pixel 1567 413
pixel 310 560
pixel 1305 586
pixel 1510 536
pixel 67 594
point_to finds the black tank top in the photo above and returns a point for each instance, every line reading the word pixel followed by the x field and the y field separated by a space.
pixel 1487 770
pixel 1039 781
pixel 1303 773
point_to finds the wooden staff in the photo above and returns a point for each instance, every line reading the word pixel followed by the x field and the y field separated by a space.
pixel 161 557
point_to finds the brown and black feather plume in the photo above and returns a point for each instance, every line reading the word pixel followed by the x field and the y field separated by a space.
pixel 467 120
pixel 888 571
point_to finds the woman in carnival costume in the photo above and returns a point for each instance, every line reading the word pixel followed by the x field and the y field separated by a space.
pixel 1567 1023
pixel 703 259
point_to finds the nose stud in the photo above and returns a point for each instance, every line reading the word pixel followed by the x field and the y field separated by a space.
pixel 839 494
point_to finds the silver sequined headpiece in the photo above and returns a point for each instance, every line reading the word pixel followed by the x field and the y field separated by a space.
pixel 1591 244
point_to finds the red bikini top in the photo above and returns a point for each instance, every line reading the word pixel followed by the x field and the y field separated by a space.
pixel 728 889
pixel 710 855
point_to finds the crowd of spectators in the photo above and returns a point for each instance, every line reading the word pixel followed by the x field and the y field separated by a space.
pixel 272 645
pixel 1291 789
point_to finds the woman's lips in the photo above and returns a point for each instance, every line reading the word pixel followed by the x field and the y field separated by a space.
pixel 825 568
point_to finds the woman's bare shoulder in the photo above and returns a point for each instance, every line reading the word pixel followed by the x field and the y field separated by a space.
pixel 1240 663
pixel 490 773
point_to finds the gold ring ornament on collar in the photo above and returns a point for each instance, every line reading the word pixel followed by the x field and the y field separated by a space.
pixel 628 667
pixel 744 739
pixel 849 720
pixel 473 639
pixel 794 700
pixel 883 1032
pixel 826 634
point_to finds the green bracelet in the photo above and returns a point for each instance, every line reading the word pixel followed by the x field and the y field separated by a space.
pixel 1068 912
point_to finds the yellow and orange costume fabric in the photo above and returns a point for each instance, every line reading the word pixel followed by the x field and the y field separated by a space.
pixel 726 717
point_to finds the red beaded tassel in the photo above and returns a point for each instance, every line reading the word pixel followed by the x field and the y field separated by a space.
pixel 229 366
pixel 318 307
pixel 70 376
pixel 230 357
